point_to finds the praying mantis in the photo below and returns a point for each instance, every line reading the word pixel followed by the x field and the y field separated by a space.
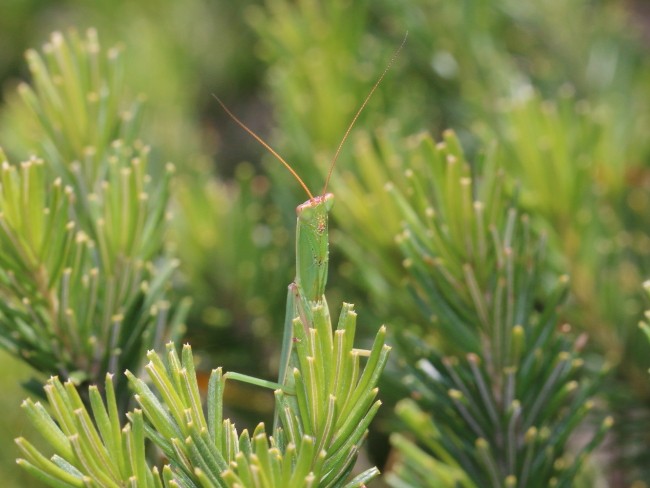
pixel 307 290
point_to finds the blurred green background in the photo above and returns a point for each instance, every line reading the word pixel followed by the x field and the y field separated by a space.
pixel 562 86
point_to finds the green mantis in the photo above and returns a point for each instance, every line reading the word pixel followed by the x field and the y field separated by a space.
pixel 312 261
pixel 312 251
pixel 326 397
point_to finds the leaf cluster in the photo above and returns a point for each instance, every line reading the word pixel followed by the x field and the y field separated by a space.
pixel 324 421
pixel 84 276
pixel 495 403
pixel 564 131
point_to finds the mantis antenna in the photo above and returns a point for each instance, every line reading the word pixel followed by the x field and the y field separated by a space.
pixel 345 136
pixel 266 146
pixel 363 105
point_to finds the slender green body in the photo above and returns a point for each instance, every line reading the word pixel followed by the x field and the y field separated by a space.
pixel 312 261
pixel 312 246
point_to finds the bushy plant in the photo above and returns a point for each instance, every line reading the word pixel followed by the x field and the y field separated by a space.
pixel 85 273
pixel 479 258
pixel 96 307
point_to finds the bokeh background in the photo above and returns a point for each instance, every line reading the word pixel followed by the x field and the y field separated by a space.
pixel 562 87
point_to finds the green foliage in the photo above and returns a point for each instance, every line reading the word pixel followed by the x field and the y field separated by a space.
pixel 99 299
pixel 596 215
pixel 75 108
pixel 90 449
pixel 232 297
pixel 567 107
pixel 325 422
pixel 495 401
pixel 484 258
pixel 572 167
pixel 14 422
pixel 84 275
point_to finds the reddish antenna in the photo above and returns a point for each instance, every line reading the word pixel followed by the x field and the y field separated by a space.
pixel 363 105
pixel 269 148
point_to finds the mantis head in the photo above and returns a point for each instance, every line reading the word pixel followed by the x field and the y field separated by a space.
pixel 315 206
